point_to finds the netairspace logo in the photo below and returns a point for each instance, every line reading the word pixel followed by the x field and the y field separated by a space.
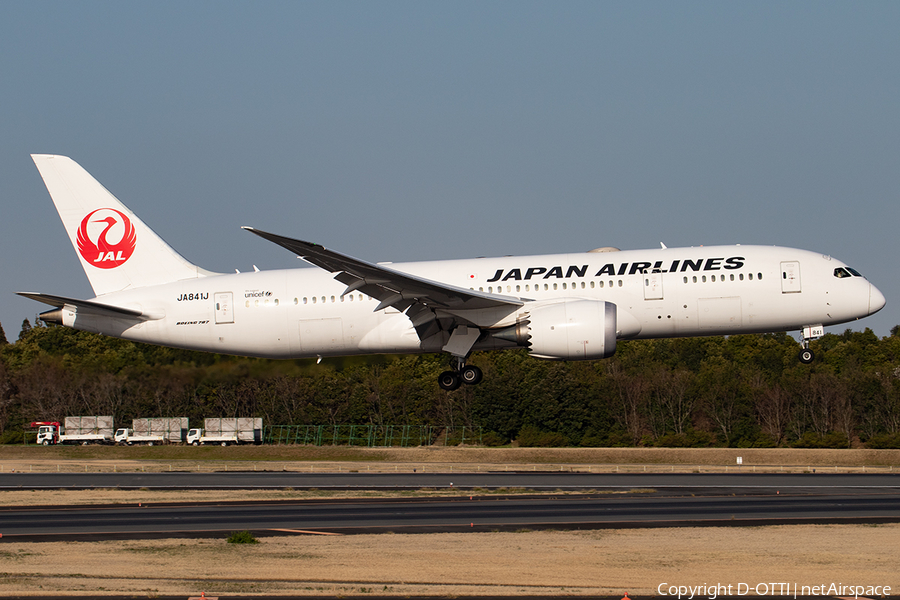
pixel 713 591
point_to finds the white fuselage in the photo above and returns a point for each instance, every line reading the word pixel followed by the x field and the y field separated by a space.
pixel 669 292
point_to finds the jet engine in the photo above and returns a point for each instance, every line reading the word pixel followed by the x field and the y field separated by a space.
pixel 567 330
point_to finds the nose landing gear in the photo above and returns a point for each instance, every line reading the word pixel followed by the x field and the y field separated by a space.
pixel 807 356
pixel 807 334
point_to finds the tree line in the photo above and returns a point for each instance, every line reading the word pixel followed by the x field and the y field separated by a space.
pixel 736 391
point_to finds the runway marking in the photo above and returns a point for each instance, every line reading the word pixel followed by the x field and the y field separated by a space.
pixel 307 531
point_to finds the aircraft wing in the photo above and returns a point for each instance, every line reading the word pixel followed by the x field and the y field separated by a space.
pixel 393 288
pixel 62 301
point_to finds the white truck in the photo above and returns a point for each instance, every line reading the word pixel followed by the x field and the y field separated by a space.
pixel 199 437
pixel 226 432
pixel 128 437
pixel 77 430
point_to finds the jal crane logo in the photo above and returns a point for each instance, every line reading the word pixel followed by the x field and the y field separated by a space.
pixel 106 238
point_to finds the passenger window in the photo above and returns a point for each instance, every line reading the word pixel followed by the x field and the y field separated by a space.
pixel 759 275
pixel 601 284
pixel 750 276
pixel 732 276
pixel 314 299
pixel 741 276
pixel 518 288
pixel 247 304
pixel 332 298
pixel 323 299
pixel 295 302
pixel 704 279
pixel 546 287
pixel 694 278
pixel 592 285
pixel 554 286
pixel 620 283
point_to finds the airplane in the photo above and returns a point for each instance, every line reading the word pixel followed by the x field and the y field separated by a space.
pixel 573 306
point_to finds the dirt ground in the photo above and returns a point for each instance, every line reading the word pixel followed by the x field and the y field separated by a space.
pixel 533 563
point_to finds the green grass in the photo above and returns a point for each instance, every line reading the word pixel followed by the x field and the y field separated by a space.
pixel 242 537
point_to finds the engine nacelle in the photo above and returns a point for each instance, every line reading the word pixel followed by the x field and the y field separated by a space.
pixel 573 330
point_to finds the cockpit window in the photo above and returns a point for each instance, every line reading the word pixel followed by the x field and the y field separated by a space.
pixel 842 272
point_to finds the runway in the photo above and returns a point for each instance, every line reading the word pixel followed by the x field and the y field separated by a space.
pixel 666 500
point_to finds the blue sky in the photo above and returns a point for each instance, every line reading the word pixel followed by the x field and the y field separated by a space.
pixel 400 131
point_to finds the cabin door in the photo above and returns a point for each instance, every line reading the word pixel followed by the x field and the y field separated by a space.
pixel 224 307
pixel 790 277
pixel 653 286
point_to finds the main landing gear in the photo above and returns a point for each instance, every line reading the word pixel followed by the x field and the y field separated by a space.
pixel 468 374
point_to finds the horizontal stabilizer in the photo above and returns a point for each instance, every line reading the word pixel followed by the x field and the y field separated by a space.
pixel 97 307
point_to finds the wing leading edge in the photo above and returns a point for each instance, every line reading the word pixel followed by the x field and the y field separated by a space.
pixel 417 296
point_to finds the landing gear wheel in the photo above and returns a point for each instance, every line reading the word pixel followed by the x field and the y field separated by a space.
pixel 449 380
pixel 471 375
pixel 807 356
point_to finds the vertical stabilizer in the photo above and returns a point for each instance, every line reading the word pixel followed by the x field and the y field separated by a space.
pixel 116 249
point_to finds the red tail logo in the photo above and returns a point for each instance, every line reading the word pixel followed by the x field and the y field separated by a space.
pixel 106 240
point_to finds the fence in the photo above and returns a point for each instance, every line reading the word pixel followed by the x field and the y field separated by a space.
pixel 373 435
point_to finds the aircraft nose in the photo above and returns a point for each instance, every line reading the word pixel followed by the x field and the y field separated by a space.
pixel 876 299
